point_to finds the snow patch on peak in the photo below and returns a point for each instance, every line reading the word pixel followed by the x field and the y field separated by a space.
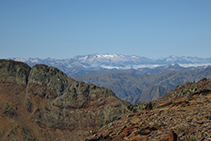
pixel 118 61
pixel 21 59
pixel 34 60
pixel 107 56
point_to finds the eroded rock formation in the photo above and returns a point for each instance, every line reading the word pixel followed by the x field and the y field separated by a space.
pixel 42 103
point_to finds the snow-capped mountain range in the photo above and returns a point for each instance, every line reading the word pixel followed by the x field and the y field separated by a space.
pixel 114 61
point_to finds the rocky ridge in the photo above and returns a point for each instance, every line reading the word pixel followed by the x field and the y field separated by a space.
pixel 42 103
pixel 183 114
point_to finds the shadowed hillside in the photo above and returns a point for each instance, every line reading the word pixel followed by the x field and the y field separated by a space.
pixel 133 87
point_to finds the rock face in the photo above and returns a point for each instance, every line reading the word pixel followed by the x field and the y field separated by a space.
pixel 42 103
pixel 183 114
pixel 14 71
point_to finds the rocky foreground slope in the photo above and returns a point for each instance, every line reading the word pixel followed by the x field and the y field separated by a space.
pixel 183 114
pixel 42 103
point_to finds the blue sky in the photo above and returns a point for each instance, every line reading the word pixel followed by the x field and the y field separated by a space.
pixel 66 28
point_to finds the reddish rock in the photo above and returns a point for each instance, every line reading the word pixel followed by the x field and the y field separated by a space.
pixel 128 131
pixel 172 136
pixel 42 103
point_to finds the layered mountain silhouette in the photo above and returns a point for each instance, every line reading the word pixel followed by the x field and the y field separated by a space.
pixel 134 87
pixel 121 73
pixel 42 103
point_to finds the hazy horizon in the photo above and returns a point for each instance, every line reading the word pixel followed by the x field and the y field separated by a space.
pixel 104 54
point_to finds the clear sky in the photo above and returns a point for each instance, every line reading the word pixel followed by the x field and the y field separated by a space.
pixel 66 28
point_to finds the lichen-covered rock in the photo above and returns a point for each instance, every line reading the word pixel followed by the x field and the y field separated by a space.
pixel 50 76
pixel 14 71
pixel 77 97
pixel 42 103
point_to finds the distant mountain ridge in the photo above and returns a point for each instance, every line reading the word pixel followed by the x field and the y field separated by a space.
pixel 121 73
pixel 83 64
pixel 134 87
